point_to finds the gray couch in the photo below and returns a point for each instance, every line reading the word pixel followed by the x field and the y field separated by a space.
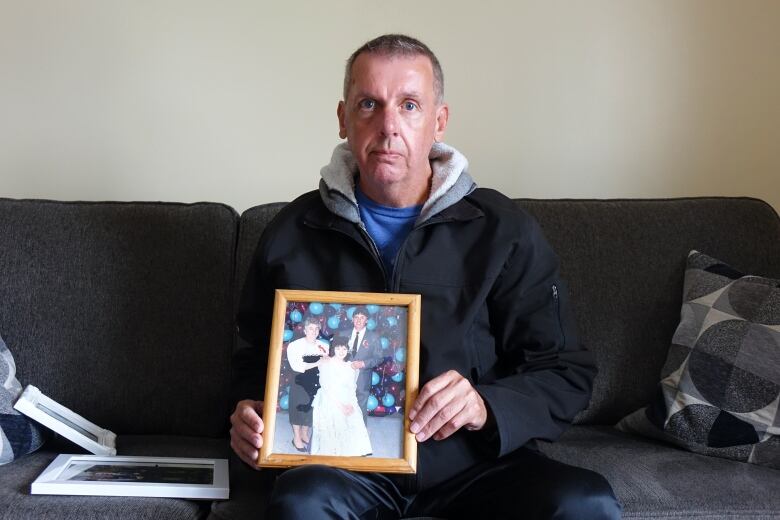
pixel 124 313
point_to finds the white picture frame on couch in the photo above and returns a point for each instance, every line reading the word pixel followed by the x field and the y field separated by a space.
pixel 166 477
pixel 35 405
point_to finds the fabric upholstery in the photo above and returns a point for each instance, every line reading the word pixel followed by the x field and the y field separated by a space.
pixel 19 435
pixel 720 387
pixel 122 311
pixel 654 480
pixel 624 262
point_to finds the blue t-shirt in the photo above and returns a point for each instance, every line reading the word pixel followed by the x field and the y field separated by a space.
pixel 387 226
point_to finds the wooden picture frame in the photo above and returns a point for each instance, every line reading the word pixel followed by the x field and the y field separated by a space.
pixel 381 364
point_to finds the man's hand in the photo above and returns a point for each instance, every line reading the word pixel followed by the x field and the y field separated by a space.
pixel 446 404
pixel 357 365
pixel 246 434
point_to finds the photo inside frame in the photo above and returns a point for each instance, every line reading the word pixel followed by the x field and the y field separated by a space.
pixel 342 409
pixel 161 473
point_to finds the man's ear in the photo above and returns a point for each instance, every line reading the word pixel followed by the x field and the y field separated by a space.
pixel 340 112
pixel 442 116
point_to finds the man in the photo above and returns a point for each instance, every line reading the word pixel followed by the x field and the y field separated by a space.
pixel 500 365
pixel 365 353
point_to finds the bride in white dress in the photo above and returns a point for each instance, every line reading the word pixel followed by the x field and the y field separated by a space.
pixel 337 424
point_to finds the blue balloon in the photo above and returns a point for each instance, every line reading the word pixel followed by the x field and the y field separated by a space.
pixel 296 316
pixel 284 402
pixel 385 342
pixel 372 309
pixel 336 306
pixel 400 355
pixel 392 321
pixel 398 377
pixel 350 311
pixel 371 325
pixel 315 308
pixel 388 400
pixel 288 335
pixel 371 403
pixel 334 322
pixel 375 378
pixel 324 340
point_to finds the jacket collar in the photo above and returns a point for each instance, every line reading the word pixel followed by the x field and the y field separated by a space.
pixel 461 211
pixel 449 184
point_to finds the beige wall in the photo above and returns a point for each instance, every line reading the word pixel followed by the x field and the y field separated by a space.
pixel 235 101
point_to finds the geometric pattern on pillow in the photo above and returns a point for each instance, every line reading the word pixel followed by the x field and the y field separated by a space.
pixel 719 392
pixel 18 434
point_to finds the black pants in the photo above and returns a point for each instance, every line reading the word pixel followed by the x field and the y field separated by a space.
pixel 523 484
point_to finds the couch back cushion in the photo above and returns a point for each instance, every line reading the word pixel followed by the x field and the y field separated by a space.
pixel 122 311
pixel 624 262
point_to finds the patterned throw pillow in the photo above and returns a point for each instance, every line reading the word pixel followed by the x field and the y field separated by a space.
pixel 18 434
pixel 720 387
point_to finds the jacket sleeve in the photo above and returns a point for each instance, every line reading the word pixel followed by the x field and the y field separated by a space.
pixel 543 375
pixel 253 322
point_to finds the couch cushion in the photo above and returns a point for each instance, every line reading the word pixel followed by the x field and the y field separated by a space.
pixel 122 312
pixel 720 386
pixel 654 480
pixel 624 260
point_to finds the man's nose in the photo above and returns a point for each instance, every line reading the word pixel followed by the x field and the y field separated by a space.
pixel 389 122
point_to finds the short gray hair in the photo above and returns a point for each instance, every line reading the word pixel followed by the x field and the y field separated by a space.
pixel 392 45
pixel 311 320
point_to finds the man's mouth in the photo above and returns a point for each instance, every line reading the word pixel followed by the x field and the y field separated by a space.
pixel 386 154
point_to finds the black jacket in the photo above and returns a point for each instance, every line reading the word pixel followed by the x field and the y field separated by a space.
pixel 493 309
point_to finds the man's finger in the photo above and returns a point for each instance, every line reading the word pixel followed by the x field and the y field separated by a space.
pixel 245 452
pixel 442 400
pixel 449 412
pixel 431 388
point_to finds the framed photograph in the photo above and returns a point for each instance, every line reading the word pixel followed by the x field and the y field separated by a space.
pixel 343 370
pixel 35 405
pixel 168 477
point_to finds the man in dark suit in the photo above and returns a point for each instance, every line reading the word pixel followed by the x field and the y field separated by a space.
pixel 365 351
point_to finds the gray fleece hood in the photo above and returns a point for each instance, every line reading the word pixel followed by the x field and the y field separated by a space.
pixel 450 182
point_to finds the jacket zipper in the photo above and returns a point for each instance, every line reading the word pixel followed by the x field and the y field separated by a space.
pixel 557 304
pixel 374 251
pixel 396 281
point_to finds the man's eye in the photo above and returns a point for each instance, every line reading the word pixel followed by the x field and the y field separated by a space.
pixel 368 104
pixel 410 106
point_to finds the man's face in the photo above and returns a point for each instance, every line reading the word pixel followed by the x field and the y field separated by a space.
pixel 390 119
pixel 359 321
